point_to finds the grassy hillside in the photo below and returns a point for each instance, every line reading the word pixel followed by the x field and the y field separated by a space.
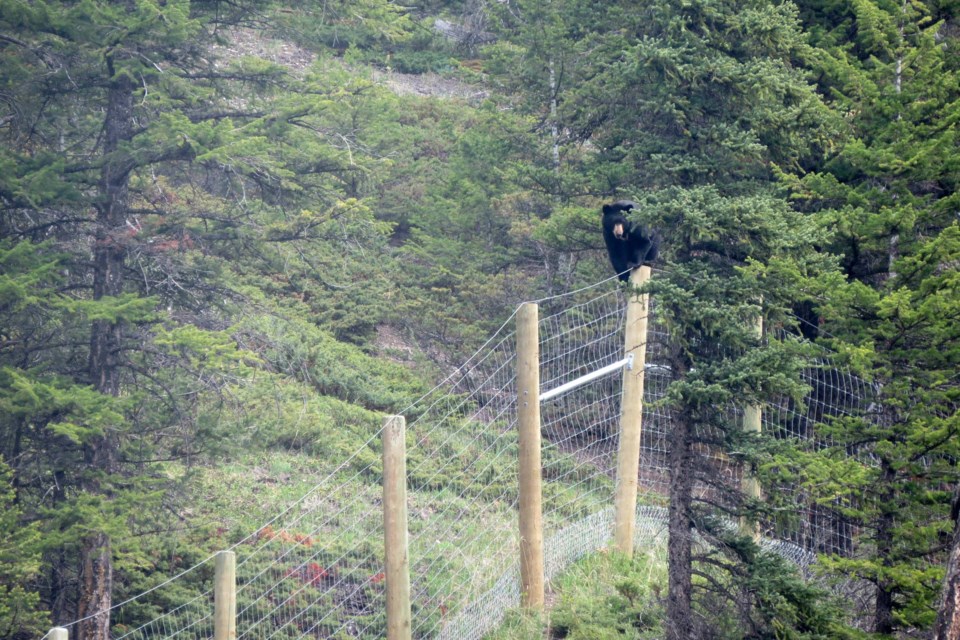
pixel 340 225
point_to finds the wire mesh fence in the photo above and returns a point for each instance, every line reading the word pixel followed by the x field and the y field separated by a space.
pixel 317 568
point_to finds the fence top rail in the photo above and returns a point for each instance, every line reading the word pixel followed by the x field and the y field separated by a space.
pixel 589 377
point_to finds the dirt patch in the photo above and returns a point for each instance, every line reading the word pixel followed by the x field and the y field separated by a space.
pixel 297 60
pixel 391 344
pixel 431 85
pixel 243 41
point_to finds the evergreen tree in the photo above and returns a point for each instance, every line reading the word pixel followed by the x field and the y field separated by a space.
pixel 693 110
pixel 19 562
pixel 141 160
pixel 948 613
pixel 888 194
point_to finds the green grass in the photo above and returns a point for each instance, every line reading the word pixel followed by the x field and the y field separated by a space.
pixel 606 595
pixel 462 526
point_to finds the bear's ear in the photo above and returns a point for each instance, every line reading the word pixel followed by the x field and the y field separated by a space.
pixel 619 205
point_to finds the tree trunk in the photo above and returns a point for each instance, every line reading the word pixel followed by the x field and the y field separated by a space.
pixel 948 616
pixel 96 583
pixel 106 342
pixel 59 605
pixel 109 248
pixel 554 123
pixel 883 615
pixel 679 625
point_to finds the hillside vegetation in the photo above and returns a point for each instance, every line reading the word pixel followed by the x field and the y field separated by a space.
pixel 234 235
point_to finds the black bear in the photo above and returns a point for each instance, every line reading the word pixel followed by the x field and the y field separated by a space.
pixel 628 246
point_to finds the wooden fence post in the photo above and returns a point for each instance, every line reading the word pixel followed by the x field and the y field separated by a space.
pixel 752 423
pixel 396 555
pixel 528 410
pixel 58 633
pixel 631 415
pixel 225 596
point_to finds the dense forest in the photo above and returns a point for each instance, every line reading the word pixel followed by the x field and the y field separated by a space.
pixel 234 234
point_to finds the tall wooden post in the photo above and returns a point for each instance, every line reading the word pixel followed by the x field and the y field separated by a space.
pixel 225 596
pixel 396 554
pixel 531 500
pixel 631 415
pixel 58 633
pixel 752 423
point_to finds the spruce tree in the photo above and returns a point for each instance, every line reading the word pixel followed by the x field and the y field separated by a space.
pixel 888 194
pixel 141 159
pixel 694 111
pixel 20 617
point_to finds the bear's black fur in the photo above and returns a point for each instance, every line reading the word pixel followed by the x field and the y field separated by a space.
pixel 628 246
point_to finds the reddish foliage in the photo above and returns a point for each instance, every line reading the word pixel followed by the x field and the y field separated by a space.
pixel 303 539
pixel 164 244
pixel 267 533
pixel 314 574
pixel 311 574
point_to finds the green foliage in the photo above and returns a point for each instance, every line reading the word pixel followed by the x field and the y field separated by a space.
pixel 605 595
pixel 301 350
pixel 20 616
pixel 886 194
pixel 87 426
pixel 279 218
pixel 365 24
pixel 779 601
pixel 694 111
pixel 611 596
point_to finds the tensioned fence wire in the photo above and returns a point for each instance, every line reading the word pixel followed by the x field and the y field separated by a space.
pixel 834 394
pixel 316 569
pixel 582 426
pixel 464 573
